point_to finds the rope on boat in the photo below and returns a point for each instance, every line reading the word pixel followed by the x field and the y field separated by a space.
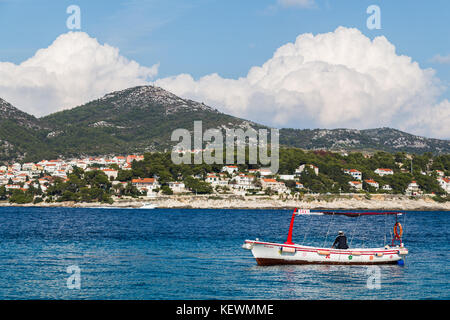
pixel 404 221
pixel 362 241
pixel 326 236
pixel 307 228
pixel 354 229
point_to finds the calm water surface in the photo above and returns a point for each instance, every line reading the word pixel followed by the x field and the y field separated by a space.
pixel 197 254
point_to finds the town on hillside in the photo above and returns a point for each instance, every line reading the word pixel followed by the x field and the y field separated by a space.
pixel 105 179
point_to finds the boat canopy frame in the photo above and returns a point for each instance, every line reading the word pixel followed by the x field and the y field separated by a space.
pixel 350 214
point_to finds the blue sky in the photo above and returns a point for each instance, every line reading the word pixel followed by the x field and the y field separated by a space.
pixel 229 37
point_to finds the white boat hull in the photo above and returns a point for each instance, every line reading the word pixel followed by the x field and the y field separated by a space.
pixel 268 253
pixel 149 206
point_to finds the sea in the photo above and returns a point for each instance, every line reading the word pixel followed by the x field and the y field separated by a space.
pixel 173 254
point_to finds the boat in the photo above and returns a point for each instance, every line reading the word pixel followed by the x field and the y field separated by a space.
pixel 148 206
pixel 272 253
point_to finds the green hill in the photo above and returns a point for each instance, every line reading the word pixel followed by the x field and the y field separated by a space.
pixel 142 119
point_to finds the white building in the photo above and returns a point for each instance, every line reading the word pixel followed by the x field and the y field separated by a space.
pixel 372 183
pixel 354 173
pixel 230 169
pixel 148 184
pixel 111 173
pixel 263 172
pixel 357 185
pixel 287 177
pixel 12 187
pixel 177 187
pixel 445 184
pixel 440 173
pixel 273 185
pixel 29 166
pixel 302 167
pixel 212 179
pixel 384 172
pixel 413 189
pixel 243 181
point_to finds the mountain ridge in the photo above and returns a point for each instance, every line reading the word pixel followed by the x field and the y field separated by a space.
pixel 386 139
pixel 142 118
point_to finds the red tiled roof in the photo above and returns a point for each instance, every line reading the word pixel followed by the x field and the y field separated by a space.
pixel 145 180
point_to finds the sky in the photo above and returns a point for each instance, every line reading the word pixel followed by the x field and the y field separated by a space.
pixel 283 63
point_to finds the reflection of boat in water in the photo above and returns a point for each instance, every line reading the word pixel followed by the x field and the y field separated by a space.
pixel 270 253
pixel 148 206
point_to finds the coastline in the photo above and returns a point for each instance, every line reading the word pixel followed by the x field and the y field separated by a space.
pixel 343 202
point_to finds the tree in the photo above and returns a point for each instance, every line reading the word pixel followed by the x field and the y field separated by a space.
pixel 21 197
pixel 197 186
pixel 3 193
pixel 166 190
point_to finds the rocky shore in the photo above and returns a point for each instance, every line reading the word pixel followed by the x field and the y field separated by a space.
pixel 355 201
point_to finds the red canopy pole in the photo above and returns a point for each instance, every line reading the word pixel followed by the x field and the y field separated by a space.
pixel 289 238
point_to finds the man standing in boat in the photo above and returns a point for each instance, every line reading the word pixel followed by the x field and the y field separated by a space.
pixel 341 241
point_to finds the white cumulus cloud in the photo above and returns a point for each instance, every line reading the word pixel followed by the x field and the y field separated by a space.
pixel 296 3
pixel 336 79
pixel 74 69
pixel 441 59
pixel 340 79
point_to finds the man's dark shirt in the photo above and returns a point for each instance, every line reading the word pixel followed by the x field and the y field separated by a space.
pixel 341 242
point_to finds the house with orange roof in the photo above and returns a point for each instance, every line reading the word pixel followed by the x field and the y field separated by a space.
pixel 356 185
pixel 120 159
pixel 372 183
pixel 29 166
pixel 356 174
pixel 230 169
pixel 146 185
pixel 149 183
pixel 273 184
pixel 111 173
pixel 440 173
pixel 211 178
pixel 445 184
pixel 243 182
pixel 132 158
pixel 126 166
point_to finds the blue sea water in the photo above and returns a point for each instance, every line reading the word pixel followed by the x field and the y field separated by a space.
pixel 197 254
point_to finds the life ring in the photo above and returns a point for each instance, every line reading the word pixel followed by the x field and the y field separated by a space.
pixel 398 230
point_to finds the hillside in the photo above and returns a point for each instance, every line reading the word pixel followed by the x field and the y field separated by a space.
pixel 21 134
pixel 133 120
pixel 141 119
pixel 384 139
